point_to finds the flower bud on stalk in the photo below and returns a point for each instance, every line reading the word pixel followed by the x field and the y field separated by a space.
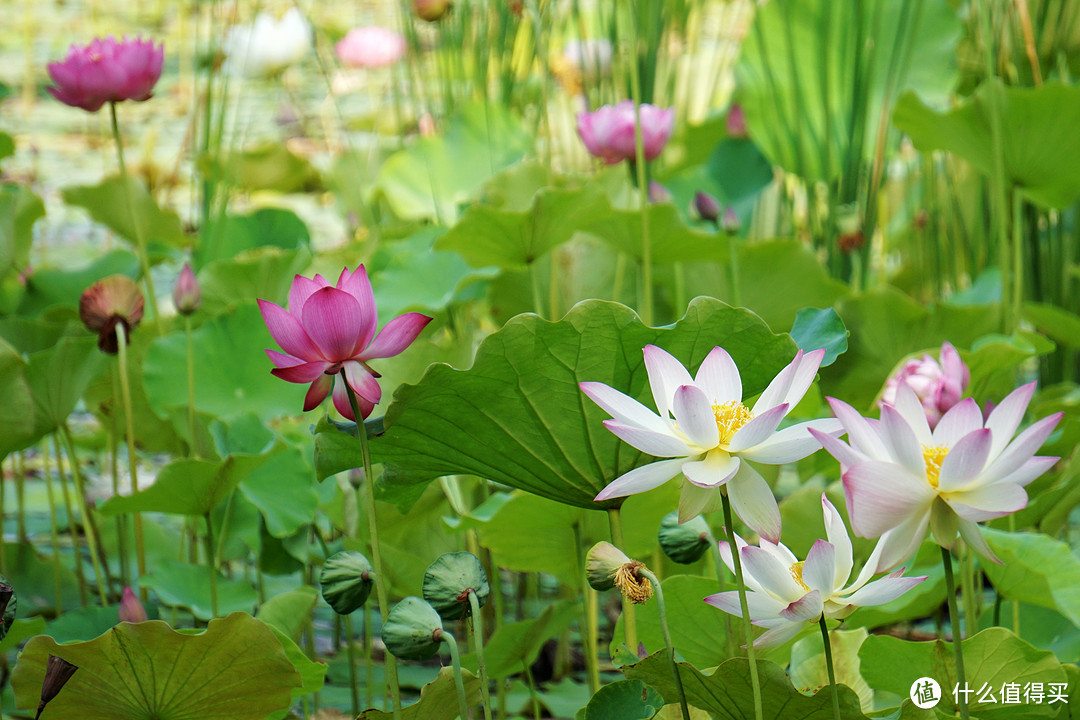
pixel 686 542
pixel 658 193
pixel 131 610
pixel 706 207
pixel 187 296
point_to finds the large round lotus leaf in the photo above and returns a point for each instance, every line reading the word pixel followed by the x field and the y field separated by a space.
pixel 448 581
pixel 409 632
pixel 235 670
pixel 686 542
pixel 346 581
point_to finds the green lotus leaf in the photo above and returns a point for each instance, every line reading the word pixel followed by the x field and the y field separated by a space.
pixel 235 670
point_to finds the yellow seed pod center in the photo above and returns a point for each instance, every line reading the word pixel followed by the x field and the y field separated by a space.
pixel 729 418
pixel 796 574
pixel 933 457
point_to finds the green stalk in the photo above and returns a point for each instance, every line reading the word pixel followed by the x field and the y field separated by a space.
pixel 350 652
pixel 829 666
pixel 662 607
pixel 741 585
pixel 133 460
pixel 478 639
pixel 459 682
pixel 19 464
pixel 114 470
pixel 368 492
pixel 3 498
pixel 629 624
pixel 140 241
pixel 54 532
pixel 213 565
pixel 80 573
pixel 191 387
pixel 88 522
pixel 967 594
pixel 369 667
pixel 589 623
pixel 954 618
pixel 532 690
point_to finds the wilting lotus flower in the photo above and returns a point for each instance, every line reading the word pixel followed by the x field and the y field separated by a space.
pixel 938 385
pixel 608 133
pixel 900 477
pixel 107 71
pixel 131 610
pixel 709 434
pixel 785 593
pixel 328 332
pixel 267 46
pixel 370 47
pixel 186 293
pixel 57 673
pixel 116 300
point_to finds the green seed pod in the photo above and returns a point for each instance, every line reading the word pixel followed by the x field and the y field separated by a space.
pixel 346 581
pixel 448 581
pixel 8 603
pixel 684 543
pixel 413 630
pixel 601 565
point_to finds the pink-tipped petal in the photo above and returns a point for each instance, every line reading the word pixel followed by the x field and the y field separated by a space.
pixel 649 441
pixel 989 502
pixel 881 496
pixel 282 360
pixel 1021 449
pixel 771 574
pixel 837 534
pixel 341 402
pixel 713 471
pixel 289 333
pixel 754 503
pixel 974 538
pixel 398 334
pixel 362 382
pixel 666 374
pixel 301 289
pixel 641 479
pixel 779 635
pixel 759 429
pixel 808 608
pixel 965 461
pixel 318 392
pixel 358 285
pixel 304 373
pixel 718 377
pixel 839 449
pixel 900 439
pixel 333 320
pixel 883 590
pixel 777 389
pixel 899 544
pixel 1006 416
pixel 792 443
pixel 861 435
pixel 760 605
pixel 910 408
pixel 624 409
pixel 1027 472
pixel 962 418
pixel 819 570
pixel 695 417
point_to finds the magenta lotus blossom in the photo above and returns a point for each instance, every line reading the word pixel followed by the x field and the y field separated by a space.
pixel 328 332
pixel 608 133
pixel 370 47
pixel 107 71
pixel 939 386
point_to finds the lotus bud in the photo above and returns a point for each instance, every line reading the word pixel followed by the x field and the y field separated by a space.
pixel 57 672
pixel 736 122
pixel 684 543
pixel 606 567
pixel 706 207
pixel 413 630
pixel 110 302
pixel 131 610
pixel 431 10
pixel 186 293
pixel 658 193
pixel 450 579
pixel 8 604
pixel 729 223
pixel 346 581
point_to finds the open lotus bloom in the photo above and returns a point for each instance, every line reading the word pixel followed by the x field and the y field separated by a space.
pixel 900 477
pixel 784 593
pixel 370 47
pixel 709 433
pixel 267 46
pixel 938 385
pixel 608 132
pixel 107 71
pixel 328 333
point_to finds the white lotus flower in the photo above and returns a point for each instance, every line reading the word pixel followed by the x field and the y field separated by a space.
pixel 784 593
pixel 709 433
pixel 267 46
pixel 900 477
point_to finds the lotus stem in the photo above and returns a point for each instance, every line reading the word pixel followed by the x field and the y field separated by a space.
pixel 133 460
pixel 640 170
pixel 88 522
pixel 350 653
pixel 459 681
pixel 54 532
pixel 478 639
pixel 532 690
pixel 954 619
pixel 114 470
pixel 755 682
pixel 193 448
pixel 829 666
pixel 212 564
pixel 662 607
pixel 140 241
pixel 76 545
pixel 368 492
pixel 629 623
pixel 18 462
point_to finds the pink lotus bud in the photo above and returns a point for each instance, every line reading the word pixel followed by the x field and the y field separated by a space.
pixel 370 47
pixel 131 610
pixel 431 10
pixel 730 223
pixel 706 207
pixel 107 71
pixel 938 385
pixel 608 133
pixel 658 193
pixel 736 122
pixel 186 293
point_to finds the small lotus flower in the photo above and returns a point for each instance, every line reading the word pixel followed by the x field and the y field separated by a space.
pixel 590 58
pixel 116 300
pixel 328 333
pixel 658 193
pixel 709 434
pixel 785 593
pixel 187 296
pixel 607 567
pixel 267 46
pixel 729 222
pixel 107 71
pixel 57 673
pixel 370 47
pixel 938 385
pixel 431 10
pixel 706 207
pixel 131 610
pixel 608 133
pixel 900 477
pixel 736 122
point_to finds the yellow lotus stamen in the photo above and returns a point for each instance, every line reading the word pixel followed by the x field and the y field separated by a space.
pixel 729 418
pixel 796 574
pixel 933 457
pixel 635 588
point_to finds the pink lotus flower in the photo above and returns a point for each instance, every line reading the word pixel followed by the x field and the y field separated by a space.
pixel 131 610
pixel 608 133
pixel 938 386
pixel 107 71
pixel 370 47
pixel 328 332
pixel 901 478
